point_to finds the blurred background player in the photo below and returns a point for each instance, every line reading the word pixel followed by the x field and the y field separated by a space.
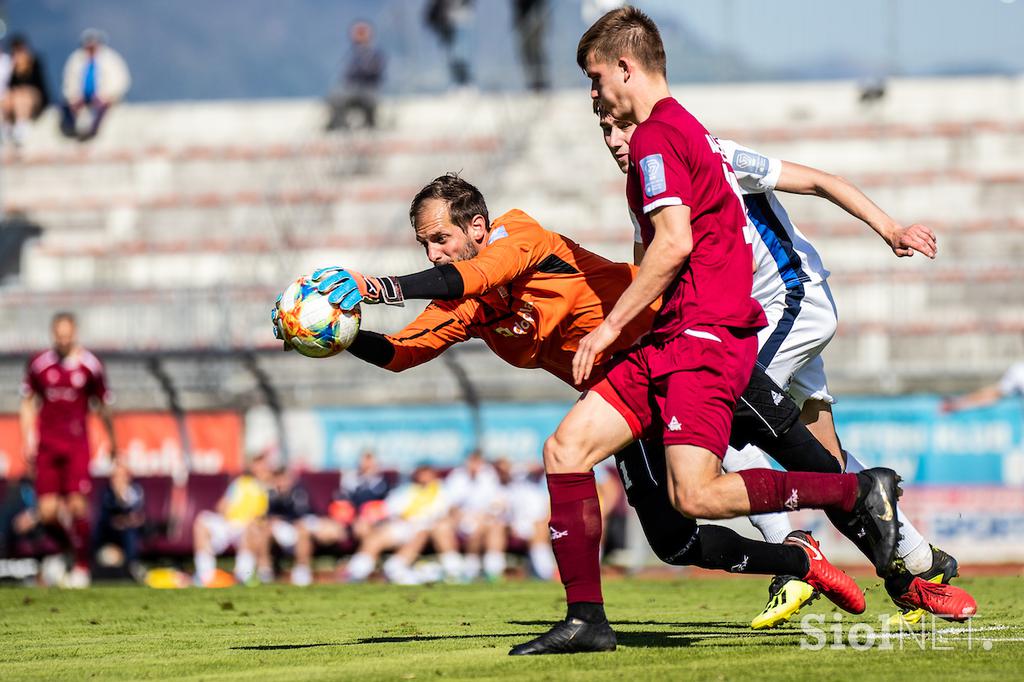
pixel 526 512
pixel 1011 384
pixel 61 386
pixel 290 519
pixel 239 521
pixel 414 514
pixel 95 79
pixel 20 531
pixel 356 506
pixel 474 493
pixel 360 82
pixel 122 515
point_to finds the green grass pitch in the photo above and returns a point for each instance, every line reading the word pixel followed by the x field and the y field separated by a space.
pixel 668 629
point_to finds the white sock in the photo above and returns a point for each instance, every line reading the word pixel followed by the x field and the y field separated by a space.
pixel 360 566
pixel 912 548
pixel 494 564
pixel 245 564
pixel 774 527
pixel 451 562
pixel 206 564
pixel 471 566
pixel 543 561
pixel 301 575
pixel 396 569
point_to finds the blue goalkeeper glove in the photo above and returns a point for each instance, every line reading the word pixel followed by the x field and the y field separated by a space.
pixel 346 289
pixel 275 318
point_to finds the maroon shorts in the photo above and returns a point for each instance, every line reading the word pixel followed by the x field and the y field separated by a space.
pixel 62 470
pixel 683 390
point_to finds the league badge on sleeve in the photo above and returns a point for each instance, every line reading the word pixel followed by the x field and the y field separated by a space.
pixel 653 169
pixel 749 162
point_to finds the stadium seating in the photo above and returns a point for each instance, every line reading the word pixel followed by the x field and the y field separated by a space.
pixel 201 212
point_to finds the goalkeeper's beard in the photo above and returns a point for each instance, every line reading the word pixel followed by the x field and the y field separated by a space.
pixel 470 250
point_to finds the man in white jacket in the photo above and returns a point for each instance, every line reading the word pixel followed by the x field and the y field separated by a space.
pixel 95 78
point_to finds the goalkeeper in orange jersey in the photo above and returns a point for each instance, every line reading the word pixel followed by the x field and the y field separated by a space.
pixel 531 294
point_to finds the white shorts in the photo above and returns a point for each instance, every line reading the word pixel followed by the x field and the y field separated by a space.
pixel 286 533
pixel 789 348
pixel 223 533
pixel 403 530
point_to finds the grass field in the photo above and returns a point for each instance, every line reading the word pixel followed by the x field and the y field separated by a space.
pixel 667 629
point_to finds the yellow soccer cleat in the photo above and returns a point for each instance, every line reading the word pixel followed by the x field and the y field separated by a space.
pixel 786 596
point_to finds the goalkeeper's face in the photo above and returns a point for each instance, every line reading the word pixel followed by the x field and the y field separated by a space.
pixel 444 241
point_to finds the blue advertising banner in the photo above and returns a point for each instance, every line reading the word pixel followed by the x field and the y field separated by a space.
pixel 439 434
pixel 911 435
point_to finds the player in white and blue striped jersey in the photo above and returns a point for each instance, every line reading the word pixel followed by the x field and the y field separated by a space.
pixel 790 282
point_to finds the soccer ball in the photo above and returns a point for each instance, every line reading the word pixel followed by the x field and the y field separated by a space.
pixel 313 326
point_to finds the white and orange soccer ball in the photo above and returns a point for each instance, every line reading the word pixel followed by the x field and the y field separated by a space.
pixel 313 326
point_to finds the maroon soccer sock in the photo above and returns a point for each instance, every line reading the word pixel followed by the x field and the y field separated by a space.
pixel 773 491
pixel 576 535
pixel 80 541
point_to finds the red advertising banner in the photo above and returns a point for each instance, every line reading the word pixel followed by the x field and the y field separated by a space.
pixel 149 441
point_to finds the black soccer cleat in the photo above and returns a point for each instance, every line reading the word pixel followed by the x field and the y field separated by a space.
pixel 876 510
pixel 571 636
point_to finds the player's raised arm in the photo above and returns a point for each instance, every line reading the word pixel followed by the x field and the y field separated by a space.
pixel 904 241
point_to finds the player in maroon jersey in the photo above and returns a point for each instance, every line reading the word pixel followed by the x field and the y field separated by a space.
pixel 682 381
pixel 59 386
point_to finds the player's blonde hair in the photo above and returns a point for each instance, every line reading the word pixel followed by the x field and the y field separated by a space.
pixel 624 31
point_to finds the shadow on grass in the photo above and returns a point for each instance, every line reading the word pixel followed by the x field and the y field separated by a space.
pixel 710 630
pixel 280 647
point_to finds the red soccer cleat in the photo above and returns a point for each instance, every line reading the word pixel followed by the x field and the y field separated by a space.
pixel 944 600
pixel 826 578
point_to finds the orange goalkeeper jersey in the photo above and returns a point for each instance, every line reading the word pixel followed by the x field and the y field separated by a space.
pixel 531 295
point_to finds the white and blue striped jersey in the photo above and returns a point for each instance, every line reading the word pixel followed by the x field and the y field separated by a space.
pixel 785 260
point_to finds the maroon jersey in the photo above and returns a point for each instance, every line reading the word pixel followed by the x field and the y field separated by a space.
pixel 64 387
pixel 673 161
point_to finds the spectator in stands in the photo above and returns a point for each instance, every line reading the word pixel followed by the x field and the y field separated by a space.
pixel 121 518
pixel 414 514
pixel 95 79
pixel 359 84
pixel 531 23
pixel 239 522
pixel 474 493
pixel 526 514
pixel 449 20
pixel 20 530
pixel 290 518
pixel 1011 383
pixel 26 94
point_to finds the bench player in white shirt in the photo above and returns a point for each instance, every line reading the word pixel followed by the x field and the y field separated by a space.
pixel 790 282
pixel 1011 384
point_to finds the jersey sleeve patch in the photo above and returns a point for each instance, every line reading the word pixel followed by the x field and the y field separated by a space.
pixel 652 167
pixel 744 161
pixel 497 234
